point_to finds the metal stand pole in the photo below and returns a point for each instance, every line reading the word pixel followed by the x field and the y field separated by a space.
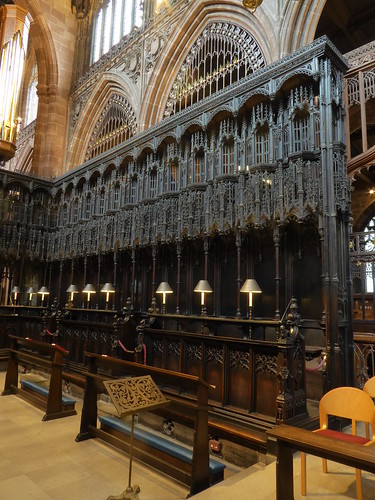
pixel 131 492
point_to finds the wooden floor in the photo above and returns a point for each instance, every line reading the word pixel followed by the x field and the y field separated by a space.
pixel 41 460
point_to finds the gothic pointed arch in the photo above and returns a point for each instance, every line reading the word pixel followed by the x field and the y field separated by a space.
pixel 116 123
pixel 182 43
pixel 304 16
pixel 223 54
pixel 105 121
pixel 44 47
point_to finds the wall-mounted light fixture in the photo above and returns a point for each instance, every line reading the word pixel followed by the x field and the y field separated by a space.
pixel 89 289
pixel 164 289
pixel 107 289
pixel 43 292
pixel 203 287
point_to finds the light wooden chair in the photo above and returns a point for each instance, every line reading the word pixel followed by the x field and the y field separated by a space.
pixel 369 387
pixel 350 403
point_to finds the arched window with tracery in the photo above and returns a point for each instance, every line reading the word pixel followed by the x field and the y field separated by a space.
pixel 369 246
pixel 32 97
pixel 114 19
pixel 223 54
pixel 116 124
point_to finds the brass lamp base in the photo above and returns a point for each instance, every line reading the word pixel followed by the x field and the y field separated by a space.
pixel 131 493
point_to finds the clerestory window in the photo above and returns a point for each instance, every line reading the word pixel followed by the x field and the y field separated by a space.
pixel 115 19
pixel 32 97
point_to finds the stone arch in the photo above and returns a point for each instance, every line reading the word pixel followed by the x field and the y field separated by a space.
pixel 179 44
pixel 108 86
pixel 304 17
pixel 44 46
pixel 53 59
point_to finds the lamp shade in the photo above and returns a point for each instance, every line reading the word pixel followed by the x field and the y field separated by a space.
pixel 164 288
pixel 16 289
pixel 203 286
pixel 108 288
pixel 30 290
pixel 72 289
pixel 43 291
pixel 250 285
pixel 89 288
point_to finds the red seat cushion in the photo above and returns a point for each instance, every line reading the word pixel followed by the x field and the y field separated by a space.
pixel 343 437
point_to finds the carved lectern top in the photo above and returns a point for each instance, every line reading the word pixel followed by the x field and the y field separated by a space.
pixel 131 395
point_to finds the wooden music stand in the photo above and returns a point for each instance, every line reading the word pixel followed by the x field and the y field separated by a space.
pixel 130 396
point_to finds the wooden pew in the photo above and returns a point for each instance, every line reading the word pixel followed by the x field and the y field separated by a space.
pixel 194 403
pixel 48 357
pixel 291 439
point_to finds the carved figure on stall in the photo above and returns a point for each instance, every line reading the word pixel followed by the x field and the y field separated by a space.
pixel 81 7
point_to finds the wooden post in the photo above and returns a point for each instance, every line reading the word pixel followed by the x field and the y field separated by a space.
pixel 200 464
pixel 89 410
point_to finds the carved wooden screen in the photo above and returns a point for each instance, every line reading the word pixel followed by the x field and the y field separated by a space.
pixel 223 54
pixel 116 124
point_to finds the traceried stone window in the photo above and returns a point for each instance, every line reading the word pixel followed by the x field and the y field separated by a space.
pixel 116 124
pixel 115 19
pixel 370 247
pixel 223 54
pixel 32 98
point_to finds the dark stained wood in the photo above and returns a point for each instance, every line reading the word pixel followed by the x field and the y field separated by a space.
pixel 291 439
pixel 198 408
pixel 47 356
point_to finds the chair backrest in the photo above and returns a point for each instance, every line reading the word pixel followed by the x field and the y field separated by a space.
pixel 369 387
pixel 347 402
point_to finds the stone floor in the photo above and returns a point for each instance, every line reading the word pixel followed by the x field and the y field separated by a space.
pixel 41 460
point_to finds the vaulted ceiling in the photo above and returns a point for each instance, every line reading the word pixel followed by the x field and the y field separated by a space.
pixel 348 23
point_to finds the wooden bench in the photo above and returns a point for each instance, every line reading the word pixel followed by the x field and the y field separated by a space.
pixel 291 439
pixel 194 404
pixel 165 449
pixel 48 357
pixel 34 388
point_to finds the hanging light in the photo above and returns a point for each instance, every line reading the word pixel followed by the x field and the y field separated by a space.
pixel 164 289
pixel 252 4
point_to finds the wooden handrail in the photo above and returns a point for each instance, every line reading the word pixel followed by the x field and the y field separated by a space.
pixel 291 439
pixel 132 368
pixel 37 344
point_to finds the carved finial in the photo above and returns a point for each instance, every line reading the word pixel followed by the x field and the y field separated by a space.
pixel 81 7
